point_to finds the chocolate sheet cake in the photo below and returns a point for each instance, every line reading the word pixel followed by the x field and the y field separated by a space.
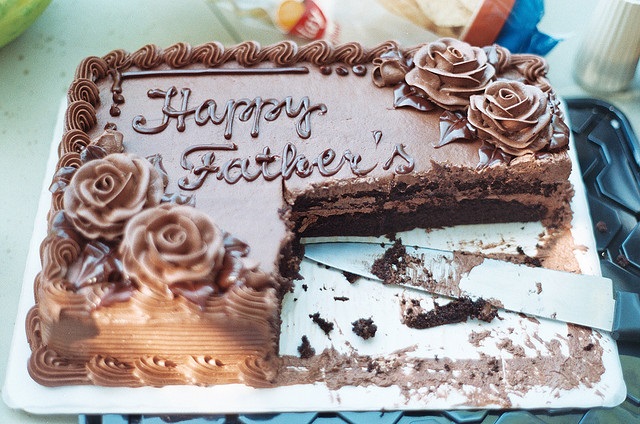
pixel 187 176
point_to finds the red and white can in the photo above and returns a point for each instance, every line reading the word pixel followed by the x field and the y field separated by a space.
pixel 302 18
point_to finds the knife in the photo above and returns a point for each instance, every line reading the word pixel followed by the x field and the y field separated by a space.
pixel 574 298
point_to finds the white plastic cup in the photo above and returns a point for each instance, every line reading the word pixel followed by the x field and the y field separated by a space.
pixel 607 59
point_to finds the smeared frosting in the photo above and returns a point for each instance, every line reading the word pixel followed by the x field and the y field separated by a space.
pixel 491 381
pixel 104 193
pixel 450 71
pixel 172 244
pixel 512 116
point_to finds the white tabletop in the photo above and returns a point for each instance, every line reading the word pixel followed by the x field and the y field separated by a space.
pixel 36 69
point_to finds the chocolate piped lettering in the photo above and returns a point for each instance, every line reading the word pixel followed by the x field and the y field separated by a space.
pixel 354 163
pixel 244 110
pixel 269 166
pixel 405 168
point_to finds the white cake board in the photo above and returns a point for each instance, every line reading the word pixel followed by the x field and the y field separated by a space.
pixel 21 392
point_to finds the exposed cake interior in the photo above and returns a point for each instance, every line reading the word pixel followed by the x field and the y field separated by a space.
pixel 187 176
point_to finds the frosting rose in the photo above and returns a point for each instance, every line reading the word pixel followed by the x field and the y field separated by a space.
pixel 513 116
pixel 389 69
pixel 450 71
pixel 104 194
pixel 171 244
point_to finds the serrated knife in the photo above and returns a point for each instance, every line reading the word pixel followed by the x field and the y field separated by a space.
pixel 587 300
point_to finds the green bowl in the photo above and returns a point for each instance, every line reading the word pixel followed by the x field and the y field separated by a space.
pixel 17 15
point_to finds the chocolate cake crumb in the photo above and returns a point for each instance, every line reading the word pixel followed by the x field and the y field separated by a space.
pixel 365 328
pixel 495 366
pixel 588 347
pixel 530 260
pixel 390 263
pixel 305 287
pixel 325 325
pixel 305 350
pixel 374 367
pixel 340 298
pixel 602 227
pixel 351 278
pixel 458 310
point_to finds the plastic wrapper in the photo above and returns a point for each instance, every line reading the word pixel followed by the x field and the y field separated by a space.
pixel 302 19
pixel 510 23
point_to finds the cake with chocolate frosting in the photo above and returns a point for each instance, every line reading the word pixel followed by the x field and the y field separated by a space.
pixel 187 175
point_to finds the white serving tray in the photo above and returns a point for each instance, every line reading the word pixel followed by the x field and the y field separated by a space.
pixel 380 303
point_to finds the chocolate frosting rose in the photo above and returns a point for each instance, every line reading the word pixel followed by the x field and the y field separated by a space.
pixel 389 69
pixel 512 116
pixel 450 71
pixel 171 244
pixel 104 194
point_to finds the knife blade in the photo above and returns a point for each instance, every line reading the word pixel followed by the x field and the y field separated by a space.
pixel 574 298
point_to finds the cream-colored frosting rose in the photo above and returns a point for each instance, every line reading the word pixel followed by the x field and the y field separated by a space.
pixel 513 116
pixel 450 71
pixel 104 194
pixel 171 244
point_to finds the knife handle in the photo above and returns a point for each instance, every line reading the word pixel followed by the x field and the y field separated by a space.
pixel 626 322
